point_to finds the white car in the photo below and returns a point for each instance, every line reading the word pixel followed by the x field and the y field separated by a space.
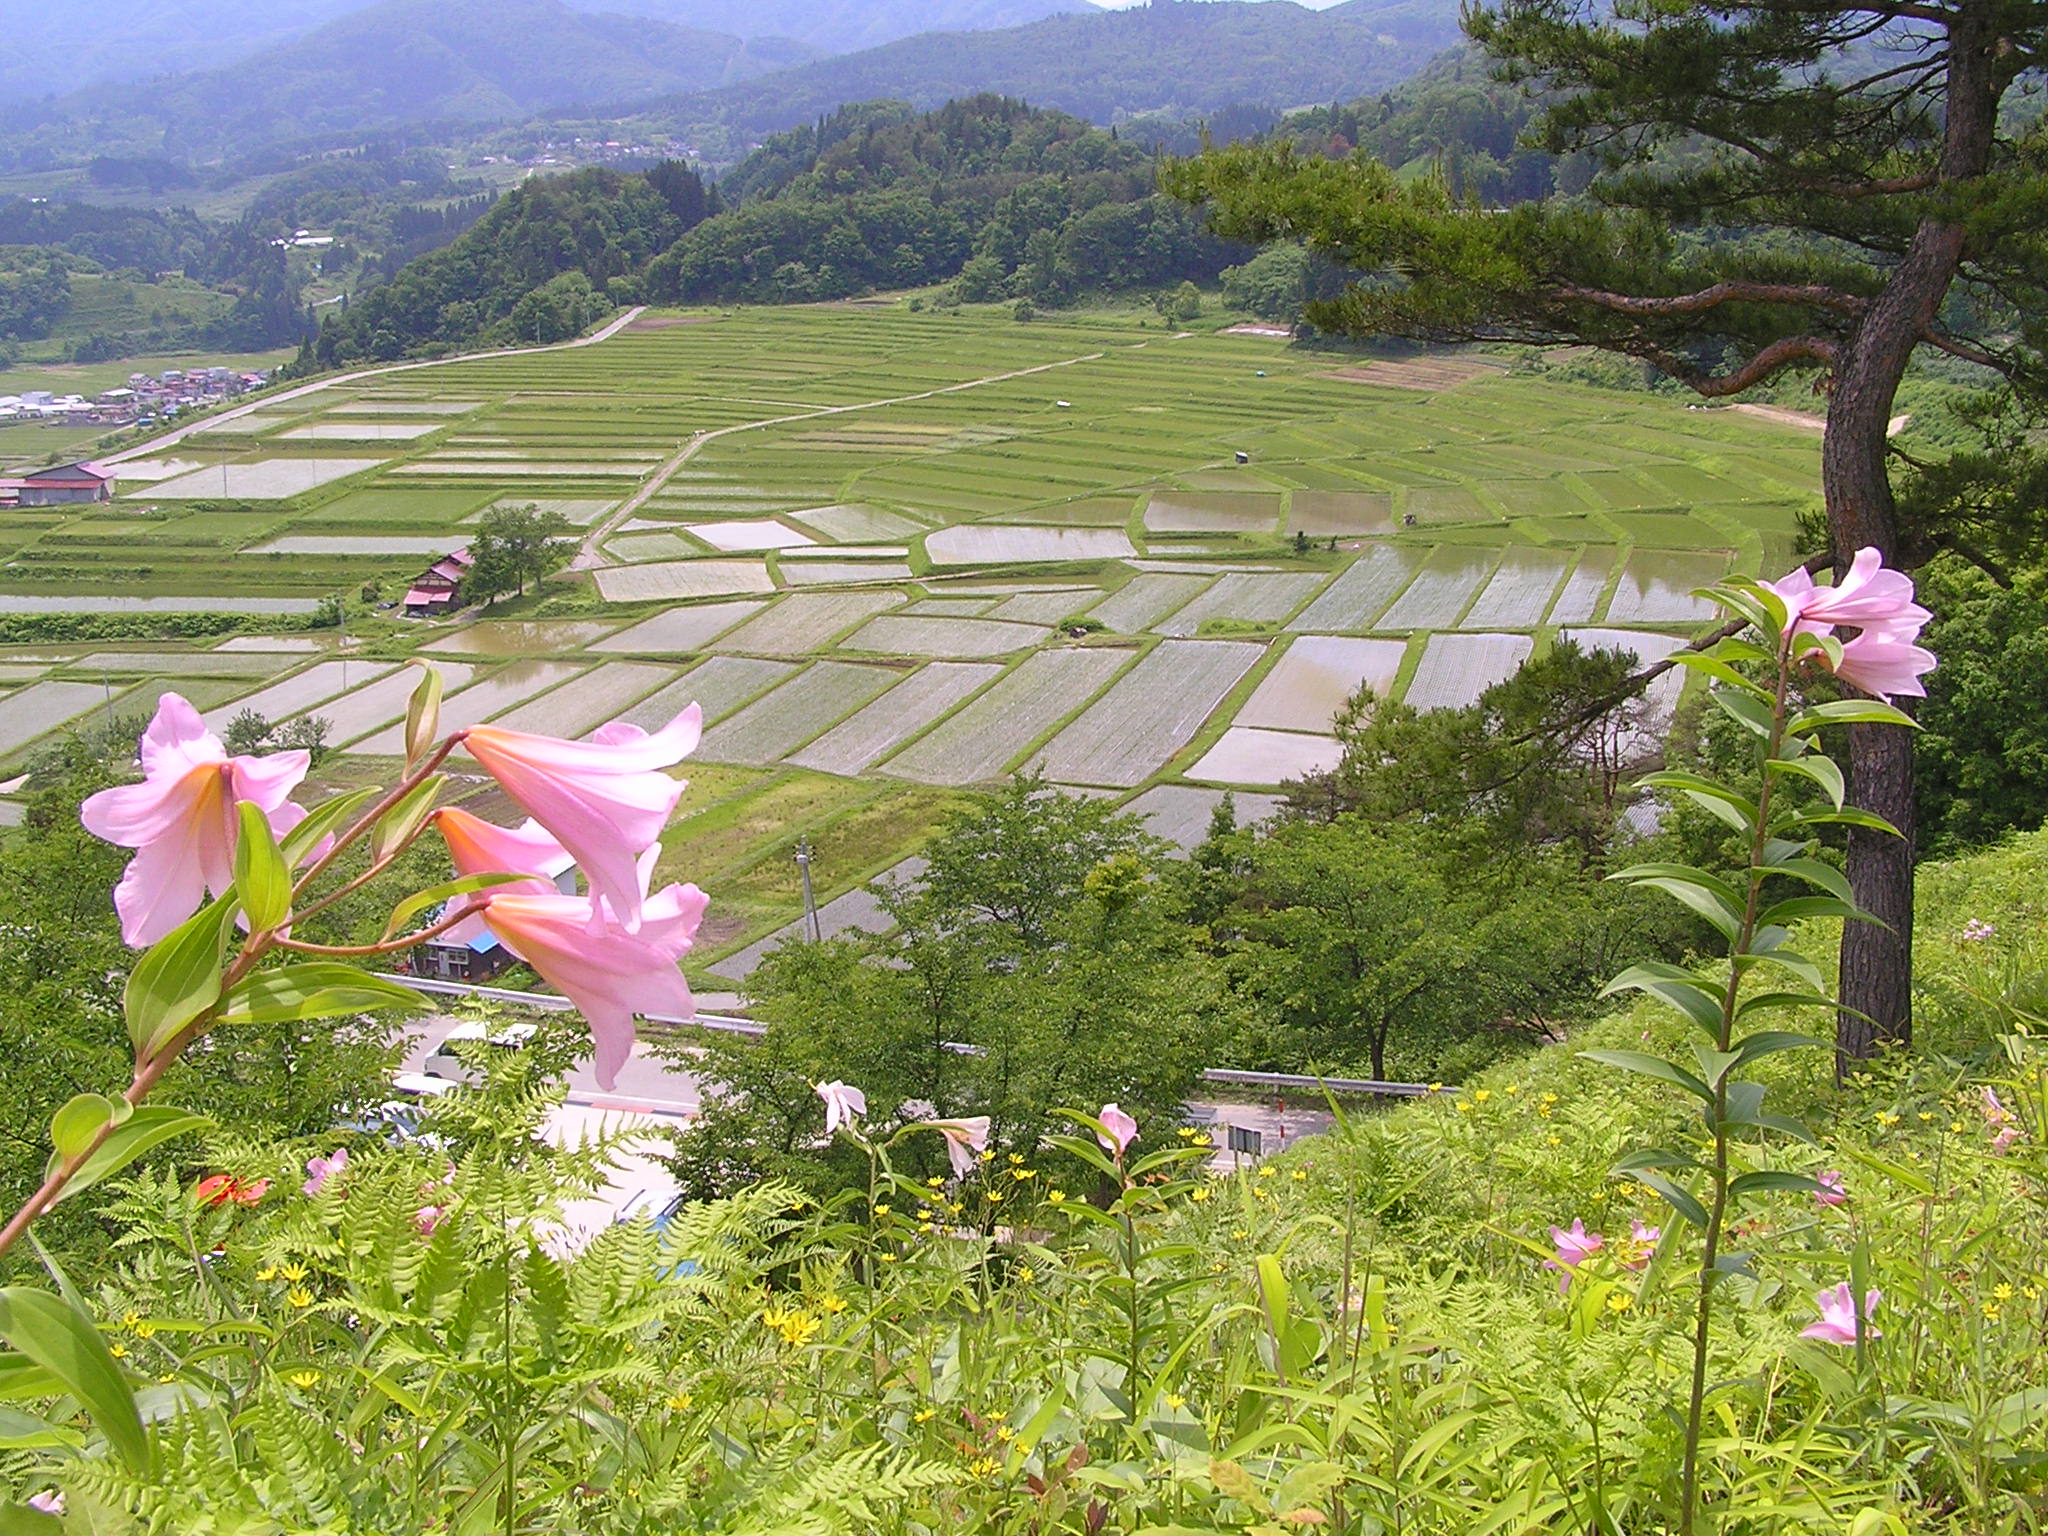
pixel 449 1067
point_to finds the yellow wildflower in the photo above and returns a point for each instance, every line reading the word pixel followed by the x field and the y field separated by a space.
pixel 1955 1127
pixel 303 1378
pixel 299 1296
pixel 995 1197
pixel 1300 1176
pixel 1512 1088
pixel 1005 1434
pixel 145 1330
pixel 293 1272
pixel 1464 1108
pixel 924 1415
pixel 1619 1301
pixel 1175 1401
pixel 1198 1194
pixel 996 1415
pixel 1267 1171
pixel 1025 1274
pixel 1990 1311
pixel 1016 1158
pixel 269 1272
pixel 1204 1140
pixel 1021 1174
pixel 1436 1087
pixel 937 1181
pixel 2031 1292
pixel 833 1304
pixel 2002 1291
pixel 679 1402
pixel 882 1208
pixel 984 1466
pixel 1482 1096
pixel 118 1351
pixel 130 1319
pixel 1056 1196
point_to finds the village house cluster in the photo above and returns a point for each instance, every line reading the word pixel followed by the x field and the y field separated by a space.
pixel 145 398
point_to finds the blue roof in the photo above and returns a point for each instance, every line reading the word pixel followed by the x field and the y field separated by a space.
pixel 484 942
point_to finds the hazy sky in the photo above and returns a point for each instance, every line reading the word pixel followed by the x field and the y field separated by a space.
pixel 1118 5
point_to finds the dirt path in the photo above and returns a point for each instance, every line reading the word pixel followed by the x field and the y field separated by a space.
pixel 172 438
pixel 588 557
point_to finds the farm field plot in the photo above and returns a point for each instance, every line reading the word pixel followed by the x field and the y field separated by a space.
pixel 582 511
pixel 779 722
pixel 747 535
pixel 679 629
pixel 984 544
pixel 1579 602
pixel 1181 813
pixel 1253 598
pixel 1318 674
pixel 599 695
pixel 509 685
pixel 41 707
pixel 980 741
pixel 408 508
pixel 1145 600
pixel 1035 608
pixel 1322 513
pixel 178 664
pixel 1356 597
pixel 304 644
pixel 918 701
pixel 806 621
pixel 683 578
pixel 262 480
pixel 316 544
pixel 1456 669
pixel 827 573
pixel 1444 583
pixel 858 525
pixel 1656 588
pixel 521 637
pixel 359 431
pixel 1129 733
pixel 1519 594
pixel 634 548
pixel 717 686
pixel 900 635
pixel 956 607
pixel 1247 755
pixel 301 691
pixel 152 470
pixel 405 408
pixel 366 707
pixel 1220 512
pixel 15 602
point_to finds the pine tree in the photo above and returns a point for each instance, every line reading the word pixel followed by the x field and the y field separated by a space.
pixel 1827 185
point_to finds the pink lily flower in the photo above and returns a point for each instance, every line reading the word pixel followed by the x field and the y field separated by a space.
pixel 181 819
pixel 966 1140
pixel 1882 659
pixel 48 1502
pixel 1119 1130
pixel 1642 1238
pixel 320 1170
pixel 610 972
pixel 429 1217
pixel 1833 1190
pixel 1838 1320
pixel 844 1104
pixel 1574 1245
pixel 479 847
pixel 605 799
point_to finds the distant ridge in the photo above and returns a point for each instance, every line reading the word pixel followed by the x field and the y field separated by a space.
pixel 406 61
pixel 843 26
pixel 1188 57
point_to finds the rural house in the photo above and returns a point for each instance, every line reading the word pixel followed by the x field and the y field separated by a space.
pixel 481 956
pixel 64 484
pixel 437 591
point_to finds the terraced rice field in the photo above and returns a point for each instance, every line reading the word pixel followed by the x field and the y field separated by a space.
pixel 1129 733
pixel 1456 522
pixel 982 740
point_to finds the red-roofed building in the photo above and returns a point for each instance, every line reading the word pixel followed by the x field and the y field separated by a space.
pixel 438 590
pixel 62 485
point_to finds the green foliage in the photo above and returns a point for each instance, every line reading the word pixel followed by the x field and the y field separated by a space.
pixel 514 545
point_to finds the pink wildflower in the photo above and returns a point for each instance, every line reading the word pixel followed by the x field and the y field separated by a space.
pixel 965 1141
pixel 48 1502
pixel 610 972
pixel 428 1217
pixel 1882 658
pixel 1574 1246
pixel 604 799
pixel 181 819
pixel 1976 931
pixel 844 1104
pixel 1833 1190
pixel 319 1170
pixel 1838 1321
pixel 1119 1130
pixel 1642 1239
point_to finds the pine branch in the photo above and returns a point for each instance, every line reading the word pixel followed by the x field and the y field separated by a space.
pixel 1730 291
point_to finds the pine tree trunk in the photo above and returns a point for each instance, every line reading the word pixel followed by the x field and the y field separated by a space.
pixel 1875 984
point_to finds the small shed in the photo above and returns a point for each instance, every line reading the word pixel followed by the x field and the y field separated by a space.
pixel 66 484
pixel 483 955
pixel 437 591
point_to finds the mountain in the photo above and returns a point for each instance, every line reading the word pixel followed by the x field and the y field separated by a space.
pixel 408 61
pixel 1175 56
pixel 844 26
pixel 54 47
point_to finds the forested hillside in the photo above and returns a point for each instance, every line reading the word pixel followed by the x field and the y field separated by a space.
pixel 842 26
pixel 1014 201
pixel 538 267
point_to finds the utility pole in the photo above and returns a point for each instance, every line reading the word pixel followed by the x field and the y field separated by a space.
pixel 803 869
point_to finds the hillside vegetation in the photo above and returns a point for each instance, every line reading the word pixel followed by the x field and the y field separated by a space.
pixel 843 26
pixel 1014 201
